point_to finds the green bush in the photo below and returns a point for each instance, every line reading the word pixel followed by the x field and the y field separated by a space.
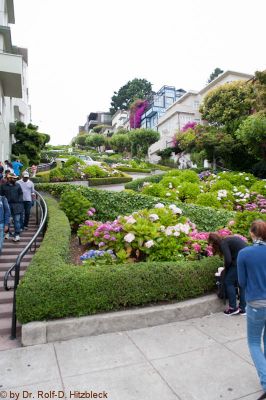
pixel 129 169
pixel 208 200
pixel 94 171
pixel 56 175
pixel 259 169
pixel 189 176
pixel 42 177
pixel 168 181
pixel 110 204
pixel 75 207
pixel 244 220
pixel 73 161
pixel 221 184
pixel 109 180
pixel 154 189
pixel 188 191
pixel 237 179
pixel 137 184
pixel 259 187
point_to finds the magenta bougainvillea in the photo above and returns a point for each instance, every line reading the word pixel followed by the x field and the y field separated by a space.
pixel 189 125
pixel 136 110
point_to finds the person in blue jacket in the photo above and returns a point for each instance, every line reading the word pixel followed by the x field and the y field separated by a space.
pixel 4 219
pixel 251 268
pixel 16 167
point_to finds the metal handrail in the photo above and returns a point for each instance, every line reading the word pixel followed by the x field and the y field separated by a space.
pixel 41 220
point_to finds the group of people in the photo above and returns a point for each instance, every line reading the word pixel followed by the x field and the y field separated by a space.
pixel 245 268
pixel 16 198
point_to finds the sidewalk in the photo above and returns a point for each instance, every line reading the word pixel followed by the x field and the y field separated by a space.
pixel 197 359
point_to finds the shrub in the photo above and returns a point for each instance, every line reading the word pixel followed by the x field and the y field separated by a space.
pixel 259 187
pixel 109 180
pixel 221 184
pixel 237 179
pixel 155 189
pixel 110 204
pixel 73 161
pixel 189 176
pixel 75 207
pixel 129 169
pixel 188 191
pixel 244 220
pixel 137 184
pixel 94 171
pixel 42 177
pixel 208 200
pixel 56 175
pixel 170 181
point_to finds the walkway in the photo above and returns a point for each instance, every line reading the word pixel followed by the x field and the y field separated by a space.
pixel 9 254
pixel 199 359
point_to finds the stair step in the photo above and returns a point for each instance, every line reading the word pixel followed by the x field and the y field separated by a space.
pixel 6 297
pixel 2 275
pixel 5 326
pixel 6 310
pixel 6 266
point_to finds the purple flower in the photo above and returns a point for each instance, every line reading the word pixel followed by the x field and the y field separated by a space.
pixel 101 244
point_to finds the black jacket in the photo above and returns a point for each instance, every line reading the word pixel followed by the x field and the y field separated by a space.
pixel 230 247
pixel 14 196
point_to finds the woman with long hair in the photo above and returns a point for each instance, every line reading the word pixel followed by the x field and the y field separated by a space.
pixel 228 248
pixel 251 266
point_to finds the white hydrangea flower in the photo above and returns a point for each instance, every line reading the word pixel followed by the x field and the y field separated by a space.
pixel 149 244
pixel 169 231
pixel 170 185
pixel 129 237
pixel 153 217
pixel 162 228
pixel 246 178
pixel 159 205
pixel 131 220
pixel 175 209
pixel 168 194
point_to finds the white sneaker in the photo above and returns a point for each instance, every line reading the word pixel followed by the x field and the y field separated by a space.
pixel 7 236
pixel 16 238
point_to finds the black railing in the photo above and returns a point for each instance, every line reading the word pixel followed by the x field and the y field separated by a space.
pixel 41 218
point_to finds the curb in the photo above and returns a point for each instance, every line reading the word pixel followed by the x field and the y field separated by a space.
pixel 42 332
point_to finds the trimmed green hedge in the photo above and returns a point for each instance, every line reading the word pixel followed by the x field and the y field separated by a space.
pixel 136 184
pixel 51 288
pixel 110 204
pixel 128 169
pixel 109 180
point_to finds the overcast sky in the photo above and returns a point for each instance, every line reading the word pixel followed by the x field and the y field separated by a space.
pixel 81 51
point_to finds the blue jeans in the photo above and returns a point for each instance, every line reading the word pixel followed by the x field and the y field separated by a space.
pixel 256 327
pixel 25 216
pixel 2 227
pixel 230 282
pixel 16 221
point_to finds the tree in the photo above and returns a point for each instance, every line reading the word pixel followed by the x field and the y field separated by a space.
pixel 141 139
pixel 95 140
pixel 214 74
pixel 29 141
pixel 252 133
pixel 81 139
pixel 132 90
pixel 260 91
pixel 120 142
pixel 228 105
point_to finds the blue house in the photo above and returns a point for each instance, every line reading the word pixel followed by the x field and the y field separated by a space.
pixel 163 99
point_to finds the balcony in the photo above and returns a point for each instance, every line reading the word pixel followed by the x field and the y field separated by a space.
pixel 11 74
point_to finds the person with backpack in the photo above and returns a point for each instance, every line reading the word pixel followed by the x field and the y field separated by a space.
pixel 4 219
pixel 251 268
pixel 228 248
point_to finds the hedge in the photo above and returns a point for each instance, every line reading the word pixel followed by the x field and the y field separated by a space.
pixel 109 180
pixel 136 184
pixel 110 204
pixel 51 288
pixel 128 169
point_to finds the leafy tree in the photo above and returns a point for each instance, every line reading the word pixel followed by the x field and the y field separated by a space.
pixel 120 142
pixel 252 133
pixel 260 91
pixel 95 140
pixel 214 74
pixel 132 90
pixel 29 141
pixel 81 139
pixel 228 104
pixel 141 139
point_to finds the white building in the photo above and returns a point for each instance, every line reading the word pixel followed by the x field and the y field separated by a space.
pixel 119 120
pixel 13 81
pixel 186 109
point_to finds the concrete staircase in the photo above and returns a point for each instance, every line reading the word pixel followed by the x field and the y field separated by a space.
pixel 9 254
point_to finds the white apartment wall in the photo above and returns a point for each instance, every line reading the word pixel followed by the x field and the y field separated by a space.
pixel 119 120
pixel 23 103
